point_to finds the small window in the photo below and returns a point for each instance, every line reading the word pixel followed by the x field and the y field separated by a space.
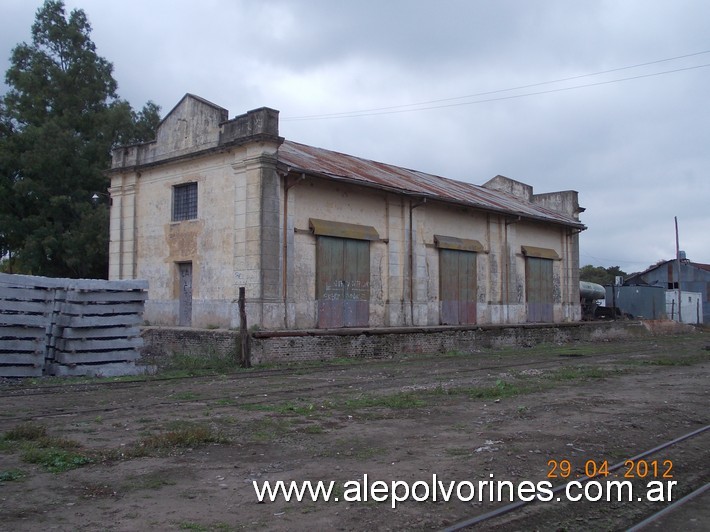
pixel 185 202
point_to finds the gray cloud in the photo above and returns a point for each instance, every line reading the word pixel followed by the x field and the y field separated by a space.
pixel 635 150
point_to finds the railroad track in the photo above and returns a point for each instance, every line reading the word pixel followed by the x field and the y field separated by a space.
pixel 510 513
pixel 9 390
pixel 146 406
pixel 434 372
pixel 670 509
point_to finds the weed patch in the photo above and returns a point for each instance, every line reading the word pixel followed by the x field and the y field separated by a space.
pixel 402 400
pixel 26 432
pixel 38 447
pixel 182 437
pixel 269 429
pixel 55 460
pixel 149 481
pixel 313 429
pixel 670 362
pixel 500 390
pixel 11 475
pixel 209 363
pixel 458 451
pixel 185 396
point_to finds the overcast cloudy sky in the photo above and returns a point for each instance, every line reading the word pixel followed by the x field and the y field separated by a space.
pixel 609 98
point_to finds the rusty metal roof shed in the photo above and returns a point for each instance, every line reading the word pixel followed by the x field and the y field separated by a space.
pixel 300 158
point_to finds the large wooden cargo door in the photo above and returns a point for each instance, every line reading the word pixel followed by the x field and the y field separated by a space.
pixel 457 286
pixel 538 289
pixel 342 282
pixel 185 301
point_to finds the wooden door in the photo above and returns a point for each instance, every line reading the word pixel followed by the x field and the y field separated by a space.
pixel 538 290
pixel 342 282
pixel 458 286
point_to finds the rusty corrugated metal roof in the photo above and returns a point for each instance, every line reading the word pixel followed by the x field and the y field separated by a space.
pixel 338 166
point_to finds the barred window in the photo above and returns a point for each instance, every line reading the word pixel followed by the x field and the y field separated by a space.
pixel 185 202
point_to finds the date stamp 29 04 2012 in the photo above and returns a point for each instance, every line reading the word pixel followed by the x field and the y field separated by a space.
pixel 632 469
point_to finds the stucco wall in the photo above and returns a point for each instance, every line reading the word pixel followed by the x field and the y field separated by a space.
pixel 208 241
pixel 498 300
pixel 237 240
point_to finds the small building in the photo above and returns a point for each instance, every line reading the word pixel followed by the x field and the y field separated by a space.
pixel 322 239
pixel 689 277
pixel 690 308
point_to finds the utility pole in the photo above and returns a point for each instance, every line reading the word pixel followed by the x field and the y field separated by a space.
pixel 677 260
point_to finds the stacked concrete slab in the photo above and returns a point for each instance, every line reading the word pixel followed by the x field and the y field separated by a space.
pixel 54 326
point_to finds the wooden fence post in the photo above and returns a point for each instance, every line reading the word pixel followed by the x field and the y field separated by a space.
pixel 245 361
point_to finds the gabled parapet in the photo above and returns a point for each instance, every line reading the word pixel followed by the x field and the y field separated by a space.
pixel 510 186
pixel 195 125
pixel 564 202
pixel 258 124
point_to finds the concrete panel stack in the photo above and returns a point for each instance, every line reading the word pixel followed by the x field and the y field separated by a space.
pixel 97 331
pixel 70 326
pixel 25 321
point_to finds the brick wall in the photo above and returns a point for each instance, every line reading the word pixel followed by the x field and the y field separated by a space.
pixel 285 346
pixel 160 342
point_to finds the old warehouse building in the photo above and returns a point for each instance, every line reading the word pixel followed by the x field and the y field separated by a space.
pixel 322 239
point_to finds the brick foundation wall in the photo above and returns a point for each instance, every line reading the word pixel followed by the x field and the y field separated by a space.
pixel 160 342
pixel 301 345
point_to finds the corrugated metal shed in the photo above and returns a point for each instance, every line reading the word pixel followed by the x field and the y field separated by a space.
pixel 694 277
pixel 300 158
pixel 645 302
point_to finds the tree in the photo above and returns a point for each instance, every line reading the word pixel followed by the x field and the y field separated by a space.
pixel 599 274
pixel 58 122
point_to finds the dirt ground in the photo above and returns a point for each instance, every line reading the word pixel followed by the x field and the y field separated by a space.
pixel 182 453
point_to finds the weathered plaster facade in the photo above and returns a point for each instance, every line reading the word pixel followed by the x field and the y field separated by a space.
pixel 259 203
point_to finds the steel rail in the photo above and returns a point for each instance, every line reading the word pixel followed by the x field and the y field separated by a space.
pixel 519 504
pixel 670 508
pixel 280 394
pixel 24 390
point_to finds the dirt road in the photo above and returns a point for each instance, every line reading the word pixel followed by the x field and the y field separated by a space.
pixel 183 454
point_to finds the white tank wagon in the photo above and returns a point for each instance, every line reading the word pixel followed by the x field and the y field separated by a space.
pixel 589 294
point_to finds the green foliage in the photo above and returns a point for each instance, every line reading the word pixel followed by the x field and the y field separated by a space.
pixel 401 400
pixel 59 121
pixel 26 432
pixel 208 363
pixel 500 390
pixel 185 435
pixel 53 454
pixel 11 475
pixel 55 460
pixel 600 275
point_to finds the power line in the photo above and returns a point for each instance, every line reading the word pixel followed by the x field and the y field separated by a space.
pixel 405 108
pixel 617 261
